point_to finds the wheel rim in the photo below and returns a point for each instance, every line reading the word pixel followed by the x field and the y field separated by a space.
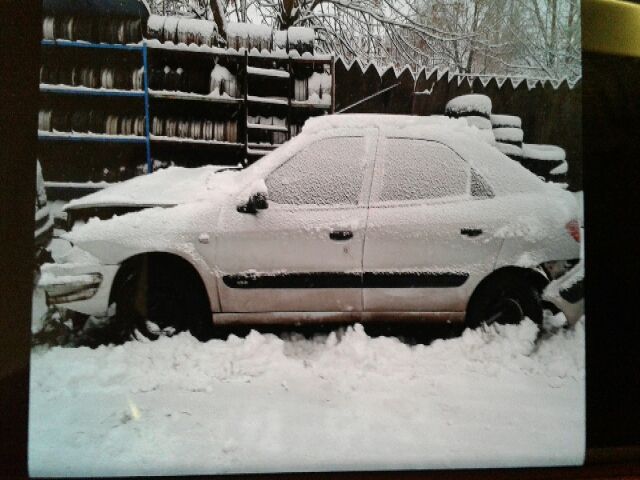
pixel 505 310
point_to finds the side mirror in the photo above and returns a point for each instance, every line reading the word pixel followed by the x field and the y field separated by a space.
pixel 257 201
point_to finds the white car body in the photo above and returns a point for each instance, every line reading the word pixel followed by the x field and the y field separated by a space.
pixel 403 258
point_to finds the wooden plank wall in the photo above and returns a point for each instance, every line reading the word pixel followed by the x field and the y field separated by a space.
pixel 550 113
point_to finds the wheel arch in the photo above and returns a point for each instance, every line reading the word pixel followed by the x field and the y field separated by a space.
pixel 171 260
pixel 535 275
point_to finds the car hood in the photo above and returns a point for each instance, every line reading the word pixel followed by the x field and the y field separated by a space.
pixel 164 188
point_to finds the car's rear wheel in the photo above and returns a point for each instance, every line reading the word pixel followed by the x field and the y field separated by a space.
pixel 161 296
pixel 506 299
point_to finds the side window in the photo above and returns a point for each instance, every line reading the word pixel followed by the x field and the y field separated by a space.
pixel 419 169
pixel 479 187
pixel 327 172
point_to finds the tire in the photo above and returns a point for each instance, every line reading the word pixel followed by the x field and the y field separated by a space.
pixel 161 297
pixel 506 299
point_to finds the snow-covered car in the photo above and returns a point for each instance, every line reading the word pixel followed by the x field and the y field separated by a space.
pixel 358 218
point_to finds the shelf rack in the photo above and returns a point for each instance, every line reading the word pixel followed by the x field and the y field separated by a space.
pixel 66 90
pixel 248 65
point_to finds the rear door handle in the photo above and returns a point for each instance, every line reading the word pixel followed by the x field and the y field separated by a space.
pixel 340 235
pixel 471 232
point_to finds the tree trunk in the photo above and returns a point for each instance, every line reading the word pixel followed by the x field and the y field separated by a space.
pixel 289 13
pixel 219 17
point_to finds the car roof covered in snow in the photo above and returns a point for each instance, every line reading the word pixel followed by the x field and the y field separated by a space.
pixel 505 175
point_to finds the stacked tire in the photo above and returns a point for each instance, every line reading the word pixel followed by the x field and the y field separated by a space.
pixel 547 161
pixel 301 39
pixel 507 130
pixel 178 80
pixel 189 31
pixel 90 29
pixel 195 129
pixel 249 36
pixel 475 109
pixel 267 136
pixel 93 76
pixel 90 121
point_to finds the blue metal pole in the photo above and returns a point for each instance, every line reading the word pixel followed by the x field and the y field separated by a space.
pixel 145 65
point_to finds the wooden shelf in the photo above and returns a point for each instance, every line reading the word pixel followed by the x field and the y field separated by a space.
pixel 310 105
pixel 133 47
pixel 88 137
pixel 86 91
pixel 272 128
pixel 268 100
pixel 268 72
pixel 258 153
pixel 177 95
pixel 192 141
pixel 263 146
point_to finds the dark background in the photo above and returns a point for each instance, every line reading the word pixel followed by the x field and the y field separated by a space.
pixel 611 122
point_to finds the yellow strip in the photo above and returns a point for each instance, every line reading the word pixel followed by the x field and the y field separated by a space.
pixel 611 27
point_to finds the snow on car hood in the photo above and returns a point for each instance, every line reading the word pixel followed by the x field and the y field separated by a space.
pixel 168 187
pixel 183 203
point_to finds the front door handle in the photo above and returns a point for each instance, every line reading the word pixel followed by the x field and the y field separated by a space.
pixel 340 235
pixel 471 232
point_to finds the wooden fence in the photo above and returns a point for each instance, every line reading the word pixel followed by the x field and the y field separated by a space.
pixel 551 112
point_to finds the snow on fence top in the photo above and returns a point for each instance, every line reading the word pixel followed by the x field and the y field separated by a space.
pixel 437 74
pixel 466 104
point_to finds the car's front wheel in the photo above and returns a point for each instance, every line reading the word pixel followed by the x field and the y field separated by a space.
pixel 161 296
pixel 506 299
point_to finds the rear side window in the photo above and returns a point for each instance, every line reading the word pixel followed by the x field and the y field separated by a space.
pixel 419 169
pixel 327 172
pixel 479 187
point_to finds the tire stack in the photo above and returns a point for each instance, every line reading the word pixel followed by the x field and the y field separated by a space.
pixel 267 136
pixel 92 76
pixel 178 80
pixel 547 161
pixel 301 39
pixel 195 129
pixel 92 29
pixel 476 110
pixel 188 31
pixel 249 36
pixel 295 129
pixel 90 121
pixel 507 130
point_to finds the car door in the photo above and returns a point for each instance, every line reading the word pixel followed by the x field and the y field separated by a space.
pixel 304 252
pixel 429 238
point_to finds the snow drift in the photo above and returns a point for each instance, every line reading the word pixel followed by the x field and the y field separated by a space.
pixel 345 401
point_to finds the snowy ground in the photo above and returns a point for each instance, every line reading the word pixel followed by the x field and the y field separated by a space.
pixel 344 401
